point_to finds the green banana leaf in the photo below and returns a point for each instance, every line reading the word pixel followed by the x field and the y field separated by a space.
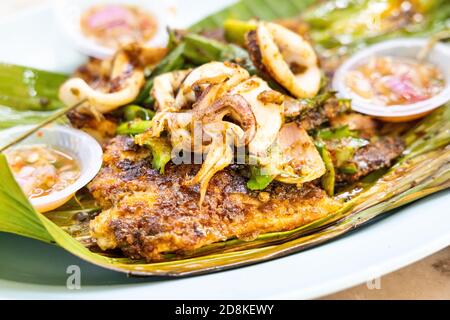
pixel 249 9
pixel 423 170
pixel 340 27
pixel 337 26
pixel 27 95
pixel 24 88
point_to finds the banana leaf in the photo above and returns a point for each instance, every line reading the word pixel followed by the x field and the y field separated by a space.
pixel 24 88
pixel 249 9
pixel 423 170
pixel 28 95
pixel 338 27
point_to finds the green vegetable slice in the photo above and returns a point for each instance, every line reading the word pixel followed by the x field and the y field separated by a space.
pixel 134 127
pixel 235 30
pixel 328 179
pixel 133 112
pixel 258 180
pixel 336 133
pixel 349 168
pixel 173 61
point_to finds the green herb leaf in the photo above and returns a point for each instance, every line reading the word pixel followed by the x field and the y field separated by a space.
pixel 194 50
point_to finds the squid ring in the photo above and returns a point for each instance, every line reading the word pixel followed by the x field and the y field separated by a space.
pixel 286 57
pixel 132 79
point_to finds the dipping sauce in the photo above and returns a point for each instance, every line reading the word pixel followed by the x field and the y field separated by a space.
pixel 395 81
pixel 112 25
pixel 41 170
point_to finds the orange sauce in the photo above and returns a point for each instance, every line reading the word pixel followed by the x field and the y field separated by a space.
pixel 41 170
pixel 112 25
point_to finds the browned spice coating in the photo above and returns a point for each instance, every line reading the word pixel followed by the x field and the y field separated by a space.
pixel 377 155
pixel 147 214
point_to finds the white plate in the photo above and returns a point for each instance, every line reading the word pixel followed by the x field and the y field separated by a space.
pixel 404 236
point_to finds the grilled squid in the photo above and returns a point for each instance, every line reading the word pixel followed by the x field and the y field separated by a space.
pixel 224 135
pixel 300 162
pixel 286 57
pixel 234 106
pixel 255 107
pixel 126 78
pixel 217 107
pixel 293 158
pixel 224 74
pixel 201 102
pixel 267 107
pixel 178 90
pixel 164 87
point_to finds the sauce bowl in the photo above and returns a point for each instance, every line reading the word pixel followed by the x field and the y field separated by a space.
pixel 76 143
pixel 68 16
pixel 401 48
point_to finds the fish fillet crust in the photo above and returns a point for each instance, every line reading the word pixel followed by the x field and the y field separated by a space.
pixel 146 214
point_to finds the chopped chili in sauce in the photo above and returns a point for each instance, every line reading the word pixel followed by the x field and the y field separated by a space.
pixel 395 81
pixel 41 170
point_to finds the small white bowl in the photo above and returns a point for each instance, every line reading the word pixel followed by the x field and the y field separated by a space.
pixel 68 15
pixel 75 143
pixel 408 48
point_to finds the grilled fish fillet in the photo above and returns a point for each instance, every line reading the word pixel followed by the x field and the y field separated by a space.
pixel 146 214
